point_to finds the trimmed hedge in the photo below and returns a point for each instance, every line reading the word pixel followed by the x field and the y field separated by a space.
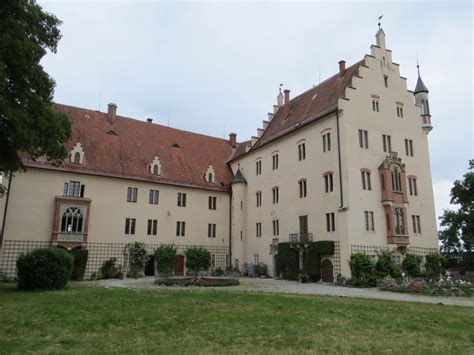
pixel 312 258
pixel 287 262
pixel 44 269
pixel 201 282
pixel 197 259
pixel 80 262
pixel 165 258
pixel 362 270
pixel 412 265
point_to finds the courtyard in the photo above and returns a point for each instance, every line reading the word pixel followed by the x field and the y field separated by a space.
pixel 136 317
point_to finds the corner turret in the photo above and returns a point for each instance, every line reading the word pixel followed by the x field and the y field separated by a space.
pixel 421 100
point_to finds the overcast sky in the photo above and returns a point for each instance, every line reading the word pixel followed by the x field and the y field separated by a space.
pixel 213 67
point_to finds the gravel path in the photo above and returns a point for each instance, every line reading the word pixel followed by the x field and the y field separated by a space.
pixel 294 287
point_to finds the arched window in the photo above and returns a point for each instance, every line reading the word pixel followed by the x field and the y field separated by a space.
pixel 72 220
pixel 156 170
pixel 77 158
pixel 210 177
pixel 396 180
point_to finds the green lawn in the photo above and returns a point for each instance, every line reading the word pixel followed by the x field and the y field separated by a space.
pixel 87 318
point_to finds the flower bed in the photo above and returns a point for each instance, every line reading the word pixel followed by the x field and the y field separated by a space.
pixel 200 281
pixel 433 288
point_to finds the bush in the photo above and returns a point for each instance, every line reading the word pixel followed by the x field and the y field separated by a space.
pixel 303 278
pixel 434 265
pixel 287 262
pixel 201 282
pixel 44 269
pixel 165 258
pixel 197 259
pixel 362 270
pixel 108 269
pixel 80 262
pixel 217 272
pixel 385 267
pixel 262 270
pixel 412 265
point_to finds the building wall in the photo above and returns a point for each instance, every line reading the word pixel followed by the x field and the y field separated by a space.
pixel 32 207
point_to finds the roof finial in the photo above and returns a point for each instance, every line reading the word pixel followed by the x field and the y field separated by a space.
pixel 417 65
pixel 281 84
pixel 380 18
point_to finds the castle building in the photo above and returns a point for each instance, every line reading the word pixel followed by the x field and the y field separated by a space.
pixel 345 161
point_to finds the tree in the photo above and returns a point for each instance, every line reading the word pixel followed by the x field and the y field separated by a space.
pixel 457 237
pixel 165 258
pixel 28 122
pixel 197 259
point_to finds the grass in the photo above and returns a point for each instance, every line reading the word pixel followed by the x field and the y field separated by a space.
pixel 86 318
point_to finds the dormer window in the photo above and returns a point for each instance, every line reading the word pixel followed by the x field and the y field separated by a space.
pixel 77 154
pixel 210 174
pixel 155 166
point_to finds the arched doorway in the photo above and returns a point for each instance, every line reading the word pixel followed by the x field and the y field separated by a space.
pixel 327 272
pixel 150 266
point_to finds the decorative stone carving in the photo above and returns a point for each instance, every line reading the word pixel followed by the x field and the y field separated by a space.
pixel 76 155
pixel 155 166
pixel 210 174
pixel 391 160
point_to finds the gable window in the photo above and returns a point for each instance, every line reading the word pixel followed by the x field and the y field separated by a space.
pixel 73 189
pixel 130 225
pixel 132 193
pixel 328 182
pixel 301 151
pixel 416 224
pixel 181 199
pixel 276 193
pixel 369 221
pixel 180 229
pixel 211 230
pixel 258 167
pixel 363 139
pixel 152 227
pixel 259 229
pixel 155 166
pixel 275 161
pixel 409 147
pixel 156 170
pixel 387 143
pixel 276 227
pixel 258 197
pixel 302 186
pixel 399 221
pixel 72 220
pixel 212 202
pixel 326 142
pixel 77 158
pixel 330 222
pixel 365 176
pixel 154 197
pixel 412 186
pixel 396 180
pixel 375 105
pixel 210 177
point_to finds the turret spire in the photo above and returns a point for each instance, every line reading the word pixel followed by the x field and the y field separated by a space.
pixel 420 86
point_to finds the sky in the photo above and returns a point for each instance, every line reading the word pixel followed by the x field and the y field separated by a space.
pixel 215 67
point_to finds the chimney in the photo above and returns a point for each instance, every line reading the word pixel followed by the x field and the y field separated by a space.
pixel 342 67
pixel 233 139
pixel 287 95
pixel 112 112
pixel 149 120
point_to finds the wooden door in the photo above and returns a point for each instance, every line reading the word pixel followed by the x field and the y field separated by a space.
pixel 179 265
pixel 327 272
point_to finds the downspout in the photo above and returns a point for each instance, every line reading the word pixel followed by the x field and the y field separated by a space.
pixel 341 207
pixel 6 208
pixel 230 229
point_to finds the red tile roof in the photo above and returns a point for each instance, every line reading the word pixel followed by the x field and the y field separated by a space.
pixel 129 153
pixel 307 107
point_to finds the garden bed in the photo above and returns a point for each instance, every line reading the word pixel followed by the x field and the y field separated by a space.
pixel 447 288
pixel 199 282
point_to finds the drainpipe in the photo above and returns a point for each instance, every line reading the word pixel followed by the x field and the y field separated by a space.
pixel 341 207
pixel 6 208
pixel 230 228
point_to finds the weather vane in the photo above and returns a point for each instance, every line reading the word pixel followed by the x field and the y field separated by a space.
pixel 380 18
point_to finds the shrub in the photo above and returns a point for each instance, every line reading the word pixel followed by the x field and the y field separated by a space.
pixel 137 256
pixel 287 262
pixel 303 278
pixel 262 269
pixel 434 265
pixel 201 282
pixel 217 272
pixel 363 270
pixel 165 258
pixel 412 265
pixel 197 259
pixel 108 269
pixel 80 262
pixel 44 269
pixel 385 267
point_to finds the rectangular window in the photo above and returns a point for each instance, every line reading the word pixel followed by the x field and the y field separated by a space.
pixel 399 221
pixel 369 221
pixel 258 167
pixel 409 147
pixel 152 227
pixel 212 202
pixel 387 143
pixel 363 138
pixel 181 199
pixel 301 151
pixel 154 197
pixel 211 230
pixel 375 105
pixel 303 225
pixel 276 227
pixel 326 142
pixel 328 183
pixel 259 229
pixel 330 222
pixel 400 111
pixel 366 183
pixel 180 229
pixel 416 224
pixel 130 225
pixel 412 187
pixel 275 161
pixel 302 185
pixel 276 194
pixel 258 196
pixel 73 189
pixel 132 193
